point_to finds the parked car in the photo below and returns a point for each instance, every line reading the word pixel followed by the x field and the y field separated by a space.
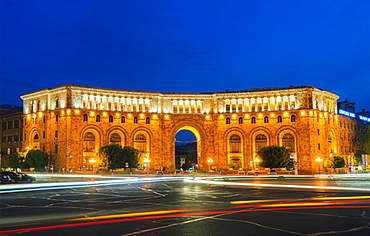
pixel 4 178
pixel 18 176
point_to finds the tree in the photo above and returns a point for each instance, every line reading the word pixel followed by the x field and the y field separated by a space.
pixel 37 159
pixel 334 162
pixel 274 157
pixel 131 156
pixel 358 157
pixel 10 160
pixel 111 157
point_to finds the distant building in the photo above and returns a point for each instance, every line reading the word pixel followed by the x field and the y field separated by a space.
pixel 11 128
pixel 72 122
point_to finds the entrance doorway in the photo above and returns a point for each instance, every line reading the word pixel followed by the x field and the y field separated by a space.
pixel 186 151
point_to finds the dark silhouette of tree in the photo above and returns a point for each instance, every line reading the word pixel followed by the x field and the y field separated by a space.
pixel 10 160
pixel 131 156
pixel 37 159
pixel 274 157
pixel 111 157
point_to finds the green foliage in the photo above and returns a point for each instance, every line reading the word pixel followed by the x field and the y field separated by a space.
pixel 334 162
pixel 111 157
pixel 274 157
pixel 37 159
pixel 233 166
pixel 10 160
pixel 131 156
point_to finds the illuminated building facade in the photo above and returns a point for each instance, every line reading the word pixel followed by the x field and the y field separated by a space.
pixel 72 122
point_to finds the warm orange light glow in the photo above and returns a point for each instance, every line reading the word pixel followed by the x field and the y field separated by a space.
pixel 303 113
pixel 221 116
pixel 62 112
pixel 286 114
pixel 40 114
pixel 104 114
pixel 28 116
pixel 142 116
pixel 77 111
pixel 260 115
pixel 155 116
pixel 92 113
pixel 68 112
pixel 34 116
pixel 272 115
pixel 166 116
pixel 247 116
pixel 208 117
pixel 234 116
pixel 117 114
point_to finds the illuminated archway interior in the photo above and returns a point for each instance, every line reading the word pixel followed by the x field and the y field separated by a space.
pixel 187 148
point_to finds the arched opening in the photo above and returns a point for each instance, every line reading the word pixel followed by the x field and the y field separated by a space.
pixel 91 145
pixel 187 149
pixel 235 151
pixel 115 138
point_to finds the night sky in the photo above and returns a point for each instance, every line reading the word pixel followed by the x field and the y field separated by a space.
pixel 186 46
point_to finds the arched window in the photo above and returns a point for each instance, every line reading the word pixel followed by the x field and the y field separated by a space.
pixel 288 141
pixel 266 119
pixel 260 142
pixel 135 120
pixel 240 120
pixel 279 119
pixel 98 118
pixel 36 138
pixel 140 142
pixel 89 142
pixel 147 121
pixel 110 119
pixel 330 142
pixel 56 102
pixel 123 119
pixel 85 117
pixel 227 120
pixel 253 120
pixel 235 144
pixel 115 139
pixel 292 118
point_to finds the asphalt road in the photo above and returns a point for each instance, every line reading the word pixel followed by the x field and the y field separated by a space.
pixel 160 206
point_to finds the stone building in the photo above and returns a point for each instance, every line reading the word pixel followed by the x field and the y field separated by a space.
pixel 11 118
pixel 72 122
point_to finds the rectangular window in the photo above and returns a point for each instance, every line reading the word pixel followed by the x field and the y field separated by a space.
pixel 318 132
pixel 56 148
pixel 3 139
pixel 10 139
pixel 25 136
pixel 318 146
pixel 16 138
pixel 16 124
pixel 56 133
pixel 10 124
pixel 227 108
pixel 43 134
pixel 3 127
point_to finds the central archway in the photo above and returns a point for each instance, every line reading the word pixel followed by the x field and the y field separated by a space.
pixel 187 151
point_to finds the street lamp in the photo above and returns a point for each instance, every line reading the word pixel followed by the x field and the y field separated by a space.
pixel 210 161
pixel 146 161
pixel 92 162
pixel 256 161
pixel 318 160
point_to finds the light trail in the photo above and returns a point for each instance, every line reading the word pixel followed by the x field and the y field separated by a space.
pixel 199 180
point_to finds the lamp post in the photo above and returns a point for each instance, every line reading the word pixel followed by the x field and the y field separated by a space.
pixel 256 161
pixel 92 162
pixel 210 161
pixel 318 160
pixel 146 161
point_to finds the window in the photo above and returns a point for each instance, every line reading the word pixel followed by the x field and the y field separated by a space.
pixel 56 148
pixel 10 124
pixel 85 117
pixel 110 119
pixel 56 118
pixel 266 119
pixel 97 119
pixel 253 120
pixel 123 119
pixel 227 108
pixel 227 120
pixel 89 142
pixel 260 142
pixel 318 131
pixel 10 139
pixel 140 142
pixel 135 120
pixel 115 139
pixel 292 118
pixel 3 139
pixel 56 133
pixel 318 146
pixel 56 103
pixel 16 124
pixel 240 120
pixel 147 121
pixel 279 119
pixel 288 142
pixel 44 119
pixel 43 134
pixel 4 126
pixel 25 137
pixel 16 138
pixel 330 143
pixel 235 144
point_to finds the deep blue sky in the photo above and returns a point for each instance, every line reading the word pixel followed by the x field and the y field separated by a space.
pixel 186 46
